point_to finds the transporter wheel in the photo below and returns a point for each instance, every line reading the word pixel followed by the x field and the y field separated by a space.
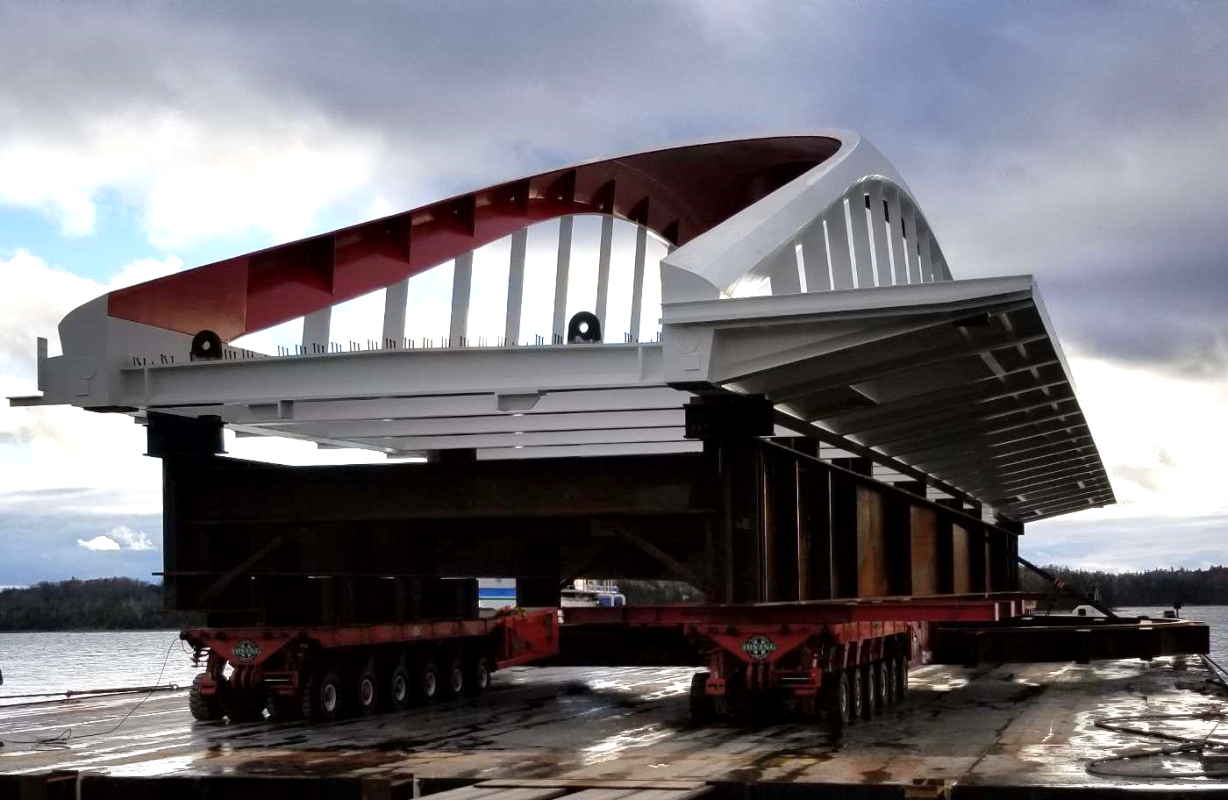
pixel 203 708
pixel 367 695
pixel 703 709
pixel 454 685
pixel 322 696
pixel 901 678
pixel 428 682
pixel 867 691
pixel 857 694
pixel 838 699
pixel 400 688
pixel 889 682
pixel 878 686
pixel 477 679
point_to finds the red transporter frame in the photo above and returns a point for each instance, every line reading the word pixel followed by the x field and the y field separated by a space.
pixel 848 660
pixel 317 672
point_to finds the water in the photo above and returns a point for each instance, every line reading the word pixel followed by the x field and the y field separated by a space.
pixel 57 662
pixel 1215 616
pixel 72 660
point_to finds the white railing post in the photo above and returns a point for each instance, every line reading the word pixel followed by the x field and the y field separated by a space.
pixel 899 256
pixel 515 287
pixel 878 233
pixel 395 300
pixel 861 238
pixel 603 268
pixel 782 269
pixel 560 278
pixel 838 246
pixel 910 241
pixel 637 280
pixel 316 329
pixel 462 282
pixel 923 252
pixel 814 257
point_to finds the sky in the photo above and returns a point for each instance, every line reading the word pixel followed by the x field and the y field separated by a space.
pixel 1083 143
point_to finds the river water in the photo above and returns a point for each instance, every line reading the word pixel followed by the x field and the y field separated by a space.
pixel 57 662
pixel 73 660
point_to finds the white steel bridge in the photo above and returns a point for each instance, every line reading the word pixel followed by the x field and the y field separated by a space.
pixel 800 268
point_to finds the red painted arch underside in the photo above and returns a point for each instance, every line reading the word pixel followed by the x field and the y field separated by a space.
pixel 677 193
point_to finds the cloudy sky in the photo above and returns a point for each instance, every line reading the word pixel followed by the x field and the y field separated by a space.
pixel 1085 143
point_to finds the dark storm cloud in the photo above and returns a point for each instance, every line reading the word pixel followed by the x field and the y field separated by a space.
pixel 1081 142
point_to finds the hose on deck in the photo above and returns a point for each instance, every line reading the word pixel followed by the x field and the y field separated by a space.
pixel 60 740
pixel 1182 745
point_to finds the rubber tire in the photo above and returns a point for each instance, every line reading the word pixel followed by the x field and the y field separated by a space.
pixel 477 678
pixel 367 681
pixel 429 685
pixel 889 683
pixel 878 689
pixel 316 694
pixel 401 688
pixel 857 694
pixel 901 679
pixel 867 692
pixel 837 699
pixel 454 684
pixel 703 709
pixel 204 709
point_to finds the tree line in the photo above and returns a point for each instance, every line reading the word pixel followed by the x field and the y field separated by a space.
pixel 102 604
pixel 1153 587
pixel 128 604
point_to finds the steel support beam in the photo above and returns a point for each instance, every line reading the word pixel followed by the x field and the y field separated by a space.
pixel 396 297
pixel 462 283
pixel 637 280
pixel 515 287
pixel 878 234
pixel 561 273
pixel 391 373
pixel 604 251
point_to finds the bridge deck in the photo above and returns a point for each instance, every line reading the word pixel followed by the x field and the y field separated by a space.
pixel 1009 726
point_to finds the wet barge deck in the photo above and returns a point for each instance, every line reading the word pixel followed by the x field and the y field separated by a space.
pixel 1002 732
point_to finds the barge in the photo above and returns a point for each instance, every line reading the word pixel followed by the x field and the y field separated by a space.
pixel 1004 731
pixel 833 444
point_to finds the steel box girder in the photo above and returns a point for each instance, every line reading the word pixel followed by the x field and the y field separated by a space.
pixel 969 608
pixel 1067 639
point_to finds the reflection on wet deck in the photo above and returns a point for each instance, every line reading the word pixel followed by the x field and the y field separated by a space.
pixel 1015 725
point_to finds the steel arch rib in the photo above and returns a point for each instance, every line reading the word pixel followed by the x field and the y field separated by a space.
pixel 678 193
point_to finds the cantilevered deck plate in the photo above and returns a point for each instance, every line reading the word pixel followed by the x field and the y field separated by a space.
pixel 962 380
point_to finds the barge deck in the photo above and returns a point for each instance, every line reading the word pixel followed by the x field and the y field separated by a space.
pixel 990 731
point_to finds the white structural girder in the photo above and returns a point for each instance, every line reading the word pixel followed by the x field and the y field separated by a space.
pixel 393 409
pixel 498 423
pixel 391 373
